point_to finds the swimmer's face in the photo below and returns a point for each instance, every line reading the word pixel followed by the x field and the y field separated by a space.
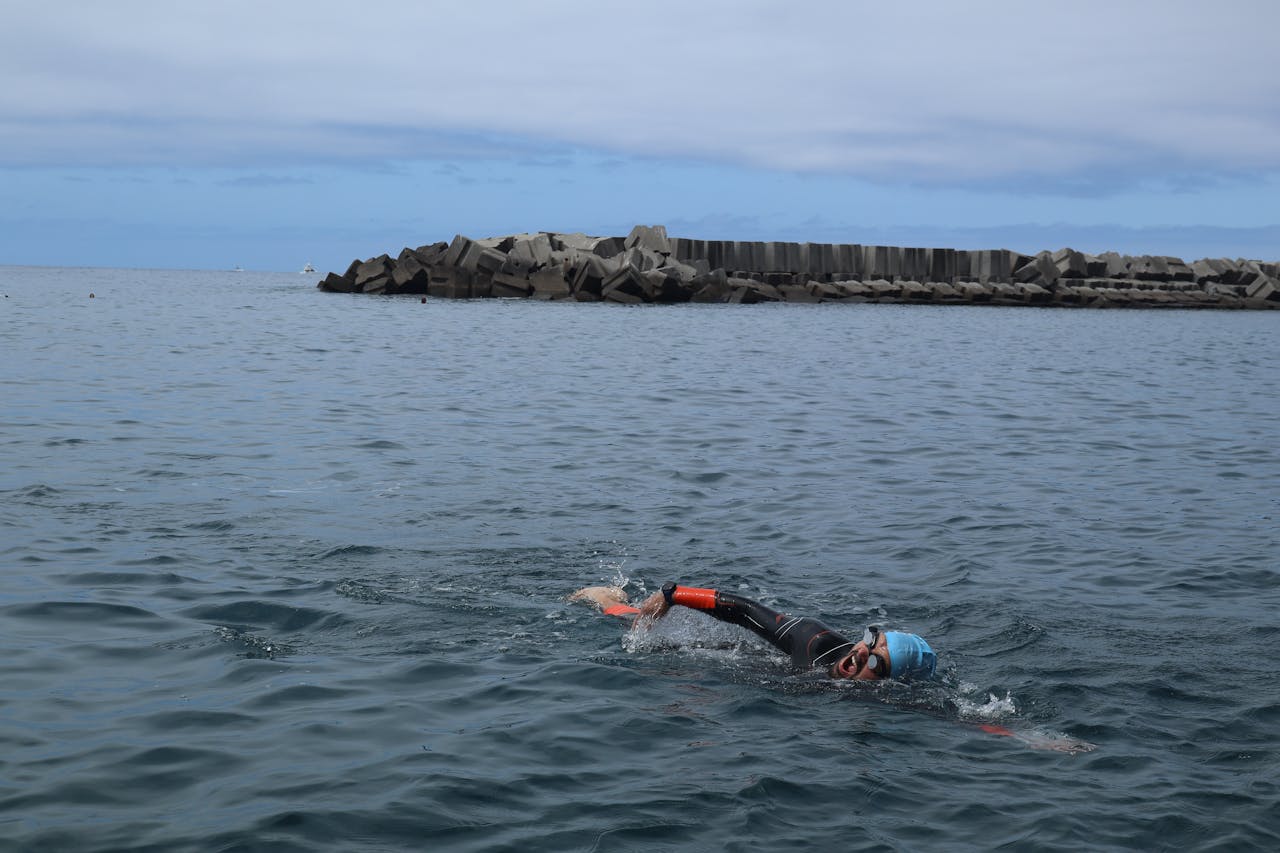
pixel 867 661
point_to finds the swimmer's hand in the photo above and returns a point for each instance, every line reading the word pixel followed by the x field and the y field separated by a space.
pixel 652 609
pixel 602 597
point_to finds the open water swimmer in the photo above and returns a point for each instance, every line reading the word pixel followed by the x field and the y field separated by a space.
pixel 809 643
pixel 878 656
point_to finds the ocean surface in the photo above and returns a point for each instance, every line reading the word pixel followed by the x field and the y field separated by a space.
pixel 285 570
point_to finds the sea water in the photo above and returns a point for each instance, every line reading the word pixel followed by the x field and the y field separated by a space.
pixel 286 570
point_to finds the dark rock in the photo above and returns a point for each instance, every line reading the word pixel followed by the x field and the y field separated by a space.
pixel 338 284
pixel 379 267
pixel 410 276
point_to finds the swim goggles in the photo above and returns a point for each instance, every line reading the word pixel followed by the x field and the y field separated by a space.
pixel 876 662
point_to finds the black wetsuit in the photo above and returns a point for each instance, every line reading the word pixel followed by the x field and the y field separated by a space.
pixel 806 640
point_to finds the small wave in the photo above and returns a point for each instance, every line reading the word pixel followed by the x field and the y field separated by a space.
pixel 215 526
pixel 267 614
pixel 349 551
pixel 36 491
pixel 253 646
pixel 85 612
pixel 381 444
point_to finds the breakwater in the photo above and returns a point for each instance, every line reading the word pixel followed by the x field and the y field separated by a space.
pixel 648 266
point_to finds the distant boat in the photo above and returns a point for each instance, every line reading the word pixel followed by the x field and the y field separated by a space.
pixel 238 268
pixel 308 268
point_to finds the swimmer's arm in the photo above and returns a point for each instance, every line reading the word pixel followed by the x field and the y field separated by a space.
pixel 609 600
pixel 1036 740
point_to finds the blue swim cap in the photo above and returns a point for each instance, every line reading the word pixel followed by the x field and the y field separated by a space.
pixel 909 655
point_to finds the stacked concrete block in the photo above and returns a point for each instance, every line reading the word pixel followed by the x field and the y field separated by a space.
pixel 653 237
pixel 649 266
pixel 550 283
pixel 941 265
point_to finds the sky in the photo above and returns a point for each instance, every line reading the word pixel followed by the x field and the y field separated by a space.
pixel 271 134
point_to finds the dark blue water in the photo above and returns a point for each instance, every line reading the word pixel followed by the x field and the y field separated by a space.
pixel 286 570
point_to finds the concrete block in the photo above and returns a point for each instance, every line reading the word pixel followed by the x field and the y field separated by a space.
pixel 607 247
pixel 590 276
pixel 1205 270
pixel 378 267
pixel 409 276
pixel 628 285
pixel 916 291
pixel 848 260
pixel 915 264
pixel 649 237
pixel 1263 288
pixel 448 282
pixel 576 241
pixel 458 251
pixel 713 287
pixel 375 286
pixel 972 291
pixel 641 259
pixel 337 284
pixel 506 285
pixel 797 293
pixel 1071 264
pixel 1040 269
pixel 667 287
pixel 941 264
pixel 550 283
pixel 882 288
pixel 489 260
pixel 432 253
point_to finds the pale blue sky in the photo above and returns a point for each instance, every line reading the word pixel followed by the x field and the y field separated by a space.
pixel 268 135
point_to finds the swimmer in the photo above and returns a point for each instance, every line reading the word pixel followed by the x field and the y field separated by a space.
pixel 811 645
pixel 879 655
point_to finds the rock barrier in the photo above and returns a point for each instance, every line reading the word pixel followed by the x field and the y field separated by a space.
pixel 648 266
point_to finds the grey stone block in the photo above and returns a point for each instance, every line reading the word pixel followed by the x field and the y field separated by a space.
pixel 607 247
pixel 506 285
pixel 1263 288
pixel 409 276
pixel 941 265
pixel 458 250
pixel 490 260
pixel 337 284
pixel 449 282
pixel 641 259
pixel 589 278
pixel 1071 264
pixel 378 267
pixel 626 285
pixel 550 283
pixel 649 237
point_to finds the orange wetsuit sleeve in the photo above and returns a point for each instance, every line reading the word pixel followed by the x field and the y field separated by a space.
pixel 690 596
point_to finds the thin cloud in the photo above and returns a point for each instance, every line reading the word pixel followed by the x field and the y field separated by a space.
pixel 1064 97
pixel 264 181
